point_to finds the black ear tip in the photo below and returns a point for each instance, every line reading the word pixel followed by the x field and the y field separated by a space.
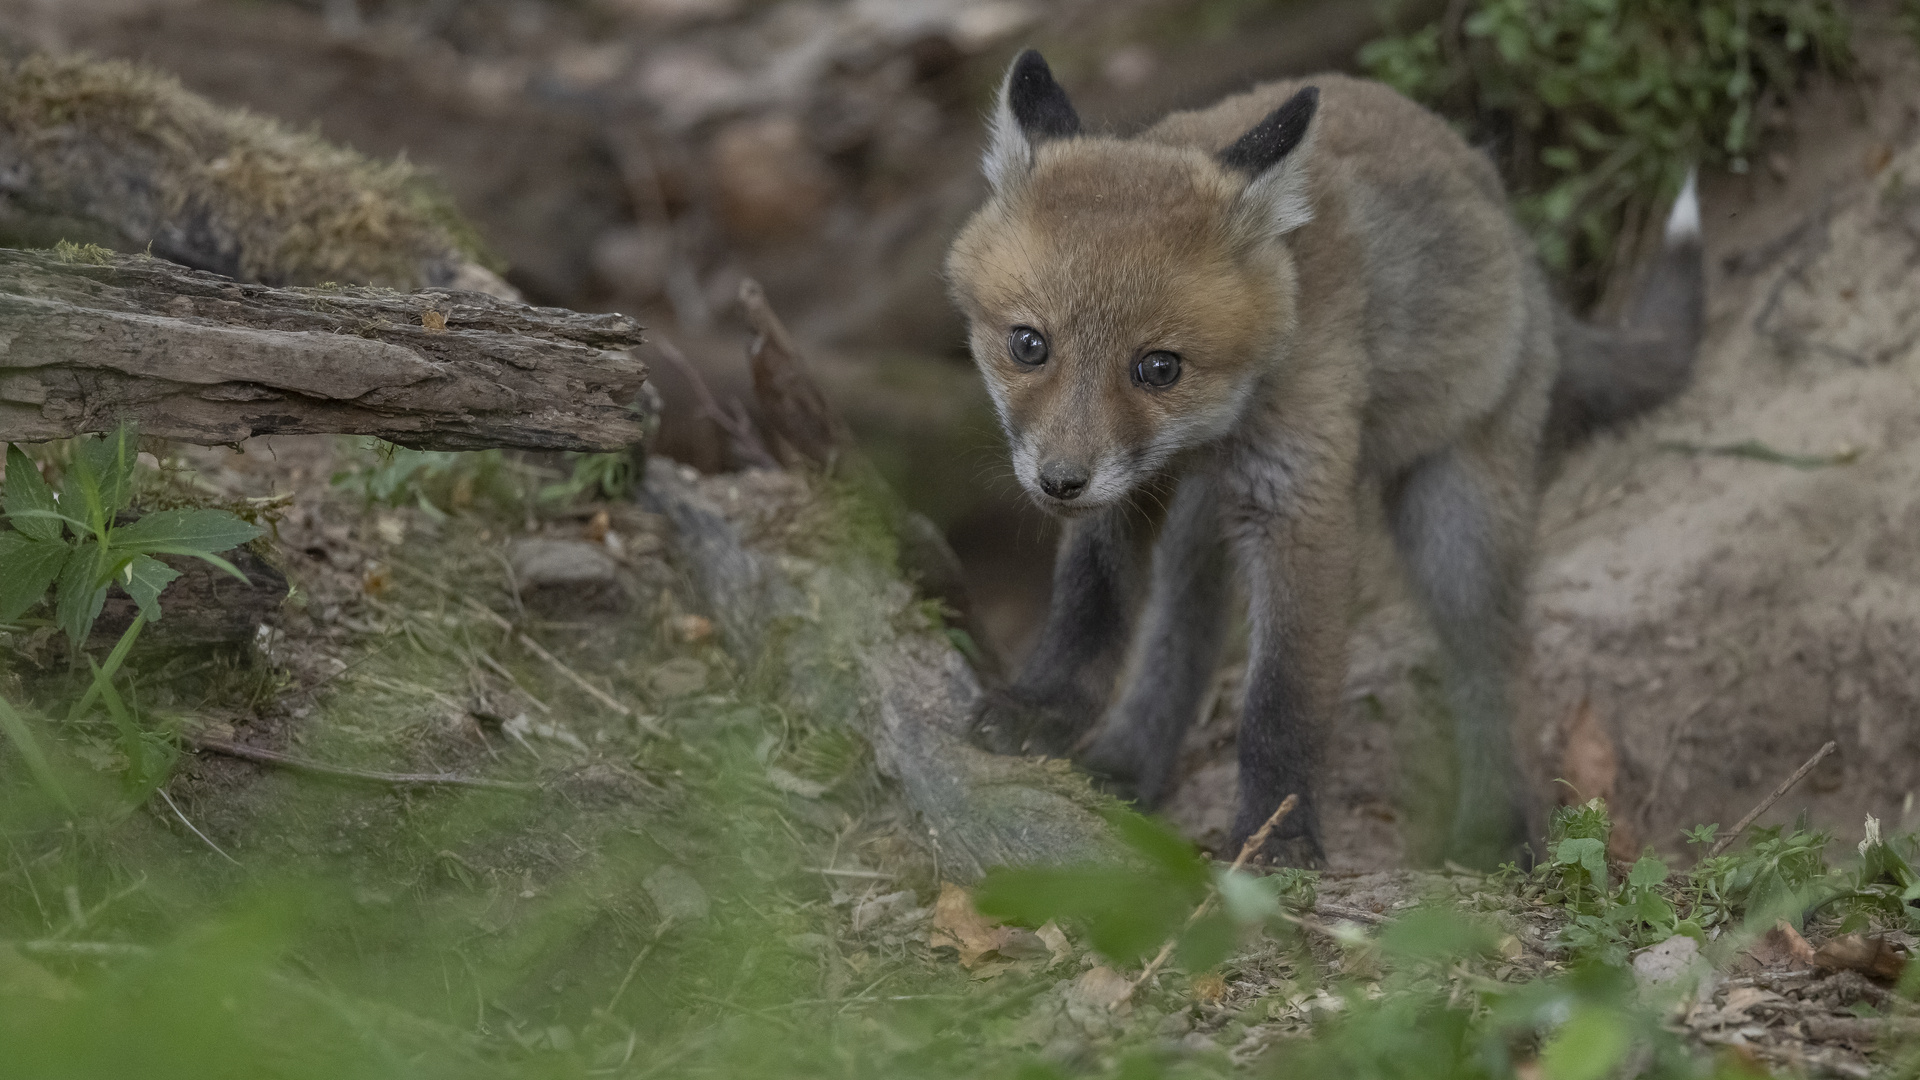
pixel 1274 137
pixel 1037 100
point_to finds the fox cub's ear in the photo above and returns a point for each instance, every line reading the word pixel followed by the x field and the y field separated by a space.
pixel 1032 109
pixel 1273 156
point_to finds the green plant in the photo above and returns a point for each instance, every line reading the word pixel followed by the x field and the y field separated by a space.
pixel 598 476
pixel 71 547
pixel 436 481
pixel 73 542
pixel 1127 910
pixel 1597 108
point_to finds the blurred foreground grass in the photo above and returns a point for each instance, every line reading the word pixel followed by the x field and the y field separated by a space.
pixel 717 885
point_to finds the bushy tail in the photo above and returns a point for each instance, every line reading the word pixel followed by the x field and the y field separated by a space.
pixel 1609 375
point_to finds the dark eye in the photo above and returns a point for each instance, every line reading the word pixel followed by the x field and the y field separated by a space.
pixel 1157 369
pixel 1027 346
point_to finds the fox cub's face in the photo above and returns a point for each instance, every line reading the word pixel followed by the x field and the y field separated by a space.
pixel 1124 297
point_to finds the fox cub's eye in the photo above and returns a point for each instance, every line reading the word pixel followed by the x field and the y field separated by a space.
pixel 1027 346
pixel 1157 369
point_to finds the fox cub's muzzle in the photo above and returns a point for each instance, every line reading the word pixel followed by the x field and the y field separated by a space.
pixel 1064 480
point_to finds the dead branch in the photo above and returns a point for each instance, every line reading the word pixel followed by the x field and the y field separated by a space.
pixel 1247 851
pixel 1786 785
pixel 263 756
pixel 194 356
pixel 745 441
pixel 803 423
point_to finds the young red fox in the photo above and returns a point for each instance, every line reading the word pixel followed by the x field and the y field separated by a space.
pixel 1201 340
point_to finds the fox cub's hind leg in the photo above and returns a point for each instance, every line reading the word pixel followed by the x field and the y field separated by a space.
pixel 1463 521
pixel 1065 684
pixel 1173 661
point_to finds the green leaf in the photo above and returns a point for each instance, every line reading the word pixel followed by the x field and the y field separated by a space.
pixel 30 566
pixel 1646 873
pixel 143 579
pixel 1127 912
pixel 1166 849
pixel 1206 942
pixel 99 481
pixel 184 532
pixel 1586 853
pixel 1248 900
pixel 29 499
pixel 1436 934
pixel 81 593
pixel 1587 1047
pixel 107 670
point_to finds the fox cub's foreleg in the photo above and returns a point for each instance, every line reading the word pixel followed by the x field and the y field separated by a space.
pixel 1288 508
pixel 1066 681
pixel 1172 662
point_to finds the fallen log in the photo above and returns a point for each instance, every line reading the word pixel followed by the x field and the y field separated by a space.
pixel 797 574
pixel 88 339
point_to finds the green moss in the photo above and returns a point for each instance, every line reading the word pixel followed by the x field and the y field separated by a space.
pixel 88 254
pixel 294 208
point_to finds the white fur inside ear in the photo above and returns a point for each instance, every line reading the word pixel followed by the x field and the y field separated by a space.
pixel 1276 202
pixel 1009 156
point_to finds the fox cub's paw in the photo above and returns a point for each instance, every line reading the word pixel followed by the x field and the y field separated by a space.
pixel 1011 720
pixel 1296 842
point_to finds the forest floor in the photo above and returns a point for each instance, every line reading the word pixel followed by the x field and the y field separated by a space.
pixel 687 877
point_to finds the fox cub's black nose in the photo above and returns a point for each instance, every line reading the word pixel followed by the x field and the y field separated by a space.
pixel 1063 479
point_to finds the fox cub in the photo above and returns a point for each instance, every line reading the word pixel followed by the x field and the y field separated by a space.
pixel 1204 341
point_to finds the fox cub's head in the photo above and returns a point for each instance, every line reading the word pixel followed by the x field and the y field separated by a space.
pixel 1124 296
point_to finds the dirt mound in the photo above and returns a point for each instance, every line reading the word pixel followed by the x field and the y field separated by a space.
pixel 1738 582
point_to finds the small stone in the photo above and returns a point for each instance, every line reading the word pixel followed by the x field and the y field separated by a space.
pixel 566 576
pixel 676 895
pixel 1666 961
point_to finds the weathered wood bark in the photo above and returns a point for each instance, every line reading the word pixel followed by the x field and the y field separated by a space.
pixel 837 633
pixel 193 356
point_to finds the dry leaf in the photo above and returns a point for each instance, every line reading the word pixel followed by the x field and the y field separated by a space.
pixel 598 527
pixel 957 926
pixel 1740 999
pixel 1588 758
pixel 1782 948
pixel 1056 942
pixel 693 629
pixel 1101 988
pixel 1873 956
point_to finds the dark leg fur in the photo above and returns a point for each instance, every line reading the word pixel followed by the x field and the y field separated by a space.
pixel 1290 518
pixel 1463 525
pixel 1065 684
pixel 1173 661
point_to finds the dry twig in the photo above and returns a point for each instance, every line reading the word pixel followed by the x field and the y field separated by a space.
pixel 1786 785
pixel 738 426
pixel 263 756
pixel 1247 851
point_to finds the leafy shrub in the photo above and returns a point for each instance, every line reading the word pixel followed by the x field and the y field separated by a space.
pixel 1597 108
